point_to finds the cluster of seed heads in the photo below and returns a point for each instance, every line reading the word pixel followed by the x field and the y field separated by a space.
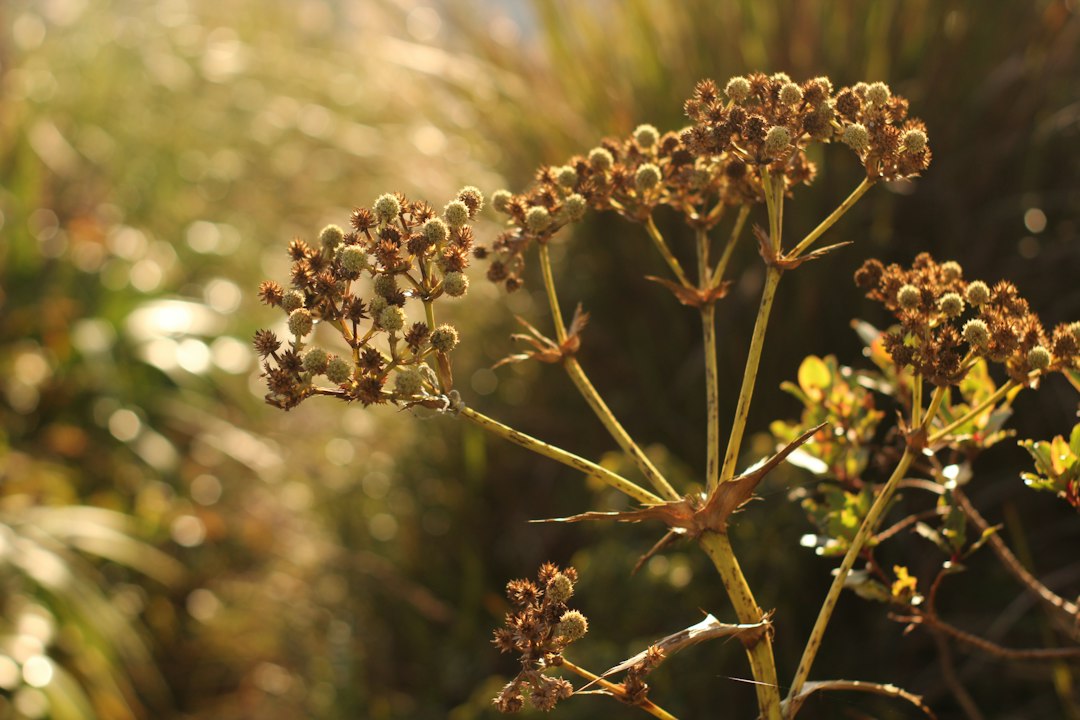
pixel 946 320
pixel 539 629
pixel 398 255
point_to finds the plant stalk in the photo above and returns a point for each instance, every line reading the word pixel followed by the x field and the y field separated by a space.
pixel 617 690
pixel 828 222
pixel 665 251
pixel 712 381
pixel 975 411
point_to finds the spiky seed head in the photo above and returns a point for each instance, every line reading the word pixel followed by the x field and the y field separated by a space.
pixel 575 206
pixel 976 333
pixel 737 88
pixel 455 284
pixel 559 588
pixel 951 304
pixel 385 285
pixel 537 219
pixel 473 199
pixel 456 213
pixel 790 94
pixel 353 258
pixel 776 141
pixel 435 231
pixel 647 177
pixel 566 176
pixel 601 159
pixel 646 136
pixel 300 322
pixel 908 297
pixel 444 338
pixel 573 625
pixel 408 382
pixel 978 292
pixel 392 318
pixel 293 300
pixel 1038 358
pixel 951 270
pixel 338 370
pixel 914 141
pixel 856 137
pixel 386 208
pixel 500 200
pixel 1074 328
pixel 878 93
pixel 316 360
pixel 780 77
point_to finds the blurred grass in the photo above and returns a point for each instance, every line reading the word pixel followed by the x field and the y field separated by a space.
pixel 154 160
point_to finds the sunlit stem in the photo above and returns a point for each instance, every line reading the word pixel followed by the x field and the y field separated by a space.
pixel 828 222
pixel 553 300
pixel 712 382
pixel 976 411
pixel 617 690
pixel 916 400
pixel 569 459
pixel 665 251
pixel 725 258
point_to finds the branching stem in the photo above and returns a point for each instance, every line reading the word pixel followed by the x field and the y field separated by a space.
pixel 828 222
pixel 665 251
pixel 617 690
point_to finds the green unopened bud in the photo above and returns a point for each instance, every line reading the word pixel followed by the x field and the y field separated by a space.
pixel 976 333
pixel 790 94
pixel 646 136
pixel 293 300
pixel 300 322
pixel 573 625
pixel 537 219
pixel 386 208
pixel 338 370
pixel 978 293
pixel 908 297
pixel 376 305
pixel 353 258
pixel 1038 358
pixel 385 285
pixel 647 177
pixel 601 159
pixel 455 284
pixel 951 270
pixel 737 88
pixel 559 588
pixel 878 93
pixel 316 360
pixel 331 236
pixel 914 141
pixel 856 137
pixel 408 382
pixel 776 141
pixel 435 231
pixel 500 200
pixel 392 318
pixel 456 213
pixel 951 304
pixel 444 338
pixel 566 176
pixel 575 206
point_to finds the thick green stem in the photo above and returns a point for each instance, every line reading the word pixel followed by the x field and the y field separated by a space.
pixel 828 222
pixel 760 654
pixel 559 455
pixel 665 251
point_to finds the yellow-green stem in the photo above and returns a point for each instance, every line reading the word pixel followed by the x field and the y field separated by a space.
pixel 975 411
pixel 916 400
pixel 559 455
pixel 617 690
pixel 553 299
pixel 712 381
pixel 665 251
pixel 760 654
pixel 740 222
pixel 828 222
pixel 753 359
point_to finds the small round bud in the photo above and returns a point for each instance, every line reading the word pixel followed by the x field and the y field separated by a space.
pixel 408 382
pixel 500 200
pixel 1074 328
pixel 737 88
pixel 300 322
pixel 386 208
pixel 392 318
pixel 977 293
pixel 908 297
pixel 646 136
pixel 537 219
pixel 559 588
pixel 566 176
pixel 601 159
pixel 473 199
pixel 455 284
pixel 338 370
pixel 790 94
pixel 647 177
pixel 780 77
pixel 316 360
pixel 456 213
pixel 951 304
pixel 976 333
pixel 331 236
pixel 575 206
pixel 435 231
pixel 353 258
pixel 293 300
pixel 376 305
pixel 444 338
pixel 856 137
pixel 914 141
pixel 878 93
pixel 951 270
pixel 776 141
pixel 573 625
pixel 1038 358
pixel 385 285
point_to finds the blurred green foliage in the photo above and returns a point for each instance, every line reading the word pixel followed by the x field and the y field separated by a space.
pixel 156 157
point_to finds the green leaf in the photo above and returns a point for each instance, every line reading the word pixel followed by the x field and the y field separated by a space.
pixel 814 376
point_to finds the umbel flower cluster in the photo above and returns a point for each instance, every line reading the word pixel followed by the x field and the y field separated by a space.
pixel 759 125
pixel 399 255
pixel 946 322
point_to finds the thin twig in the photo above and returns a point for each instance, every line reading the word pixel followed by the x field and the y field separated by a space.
pixel 952 679
pixel 617 690
pixel 828 222
pixel 665 251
